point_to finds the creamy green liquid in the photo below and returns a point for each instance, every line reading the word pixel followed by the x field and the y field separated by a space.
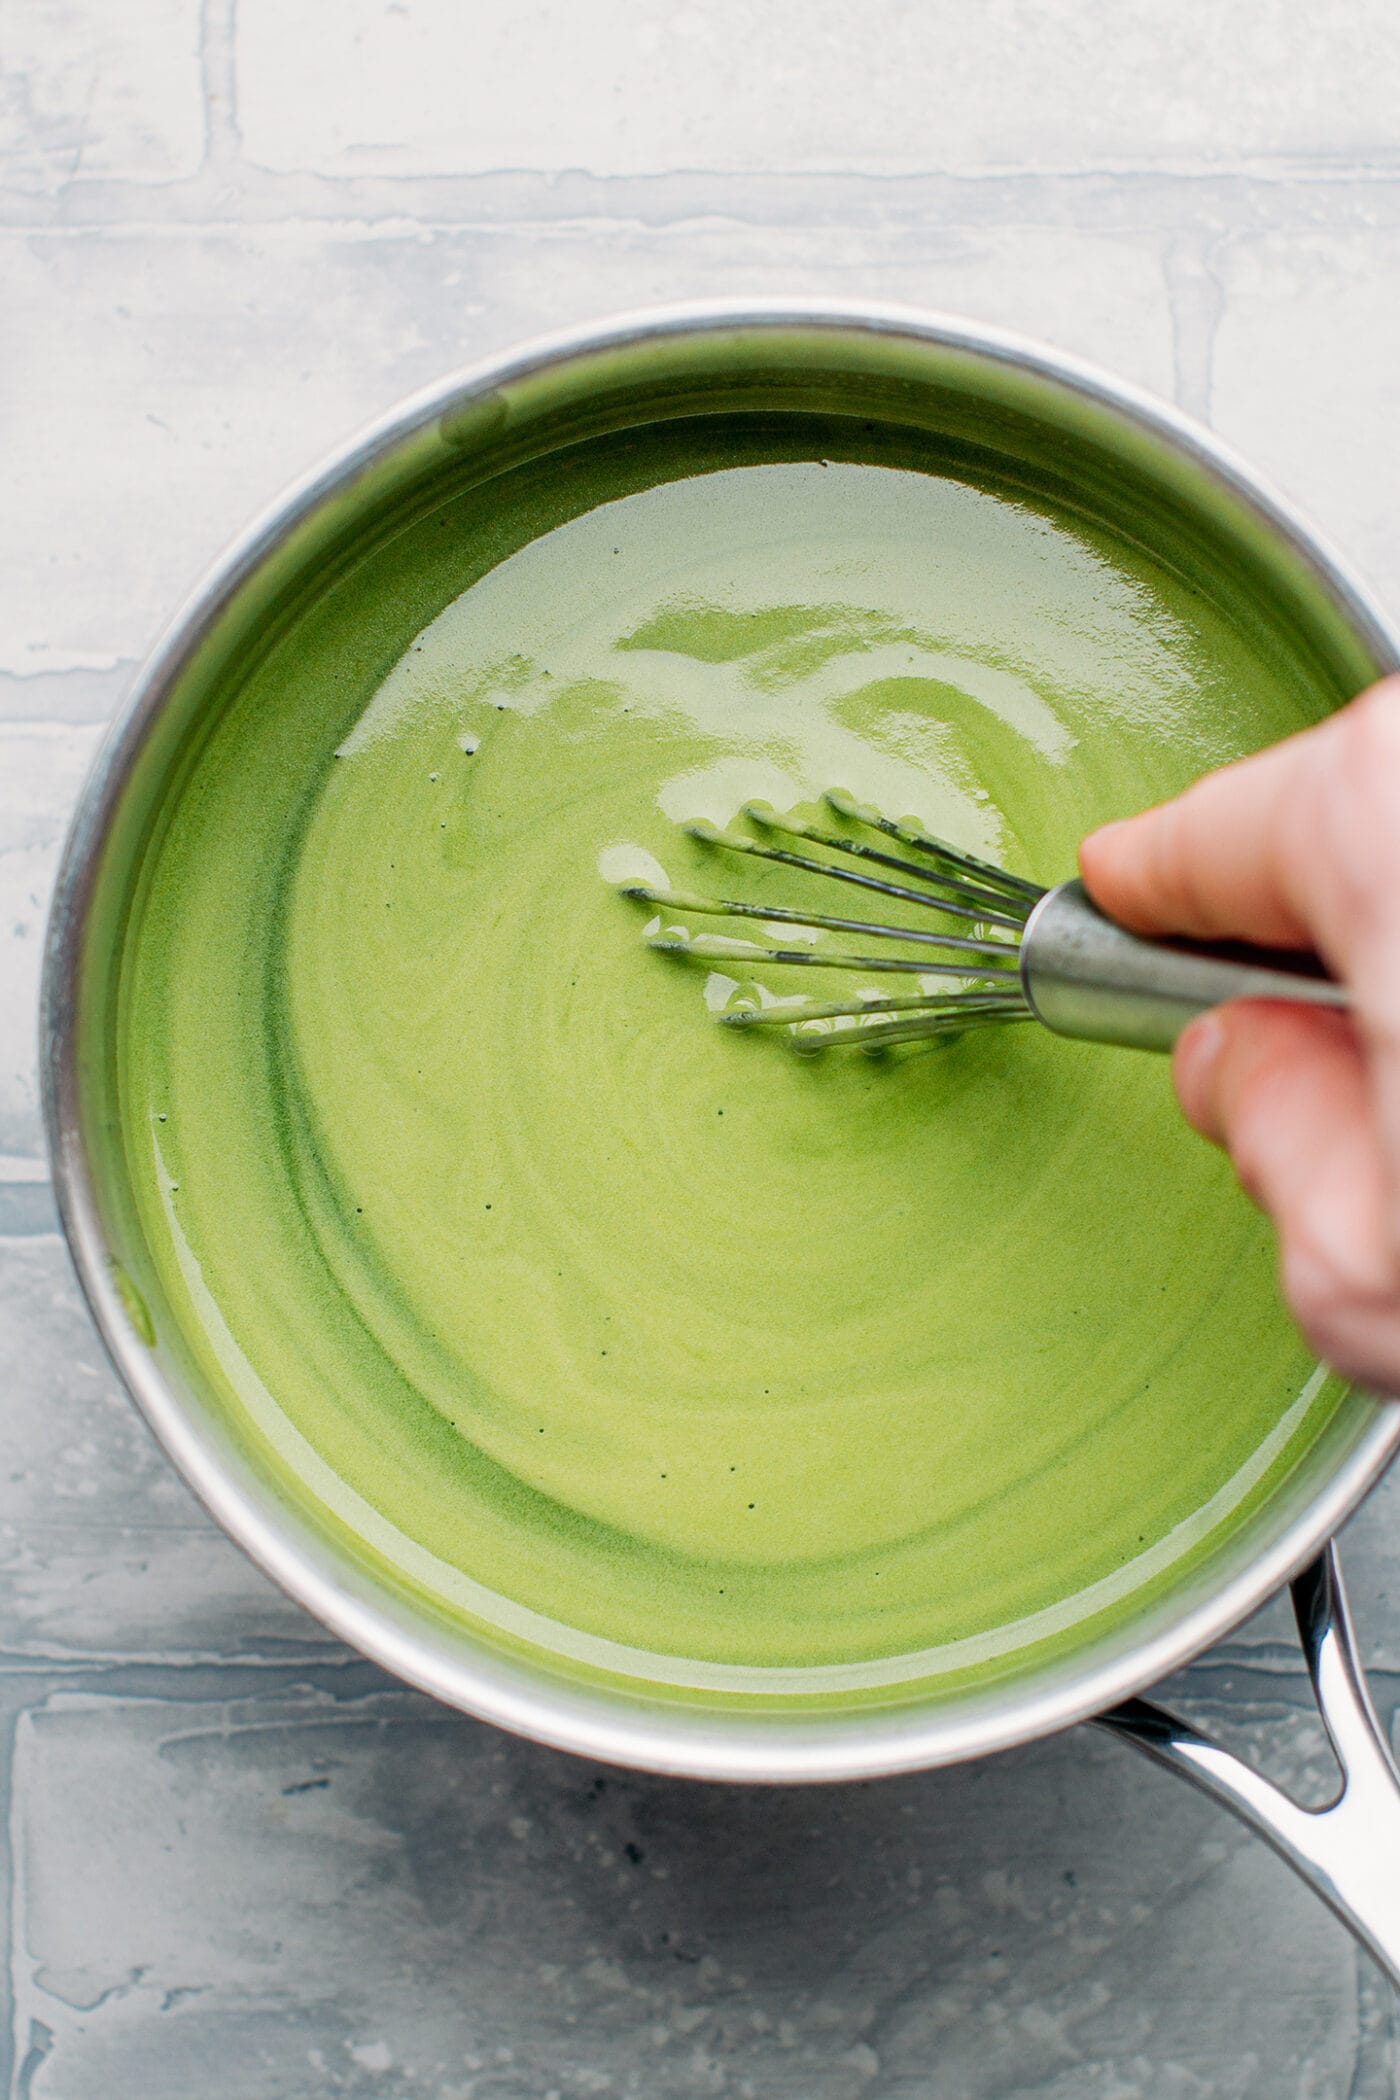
pixel 613 1331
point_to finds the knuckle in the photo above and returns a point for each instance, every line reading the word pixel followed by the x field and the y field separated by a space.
pixel 1361 802
pixel 1250 1157
pixel 1314 1300
pixel 1339 1292
pixel 1378 711
pixel 1254 1088
pixel 1182 871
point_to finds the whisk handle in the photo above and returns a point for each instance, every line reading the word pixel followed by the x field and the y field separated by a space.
pixel 1085 976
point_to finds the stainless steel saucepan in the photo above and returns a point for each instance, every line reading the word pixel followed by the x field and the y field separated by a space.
pixel 969 387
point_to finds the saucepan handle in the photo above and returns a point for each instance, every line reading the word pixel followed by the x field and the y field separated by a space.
pixel 1348 1851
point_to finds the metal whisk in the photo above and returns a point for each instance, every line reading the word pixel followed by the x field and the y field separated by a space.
pixel 1017 951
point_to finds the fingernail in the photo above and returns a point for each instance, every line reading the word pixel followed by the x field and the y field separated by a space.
pixel 1193 1068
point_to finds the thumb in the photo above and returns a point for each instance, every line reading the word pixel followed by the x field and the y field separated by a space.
pixel 1285 1090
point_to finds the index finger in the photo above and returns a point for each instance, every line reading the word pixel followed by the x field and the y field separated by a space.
pixel 1296 847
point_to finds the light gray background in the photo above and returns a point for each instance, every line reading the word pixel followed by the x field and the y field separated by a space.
pixel 241 1861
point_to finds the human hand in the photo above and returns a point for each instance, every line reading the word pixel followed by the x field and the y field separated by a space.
pixel 1297 847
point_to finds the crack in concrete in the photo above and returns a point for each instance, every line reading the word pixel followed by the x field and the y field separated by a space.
pixel 1374 2067
pixel 218 66
pixel 230 191
pixel 41 2039
pixel 1196 300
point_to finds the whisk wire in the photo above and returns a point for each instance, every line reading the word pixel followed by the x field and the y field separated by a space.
pixel 991 906
pixel 990 903
pixel 911 833
pixel 988 912
pixel 824 922
pixel 719 947
pixel 783 1014
pixel 884 1036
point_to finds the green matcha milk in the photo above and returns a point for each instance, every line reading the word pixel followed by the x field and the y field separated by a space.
pixel 617 1333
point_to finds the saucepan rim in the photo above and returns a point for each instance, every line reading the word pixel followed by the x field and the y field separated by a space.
pixel 639 1731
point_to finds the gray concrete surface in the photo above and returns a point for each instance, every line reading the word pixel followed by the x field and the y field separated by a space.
pixel 240 1861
